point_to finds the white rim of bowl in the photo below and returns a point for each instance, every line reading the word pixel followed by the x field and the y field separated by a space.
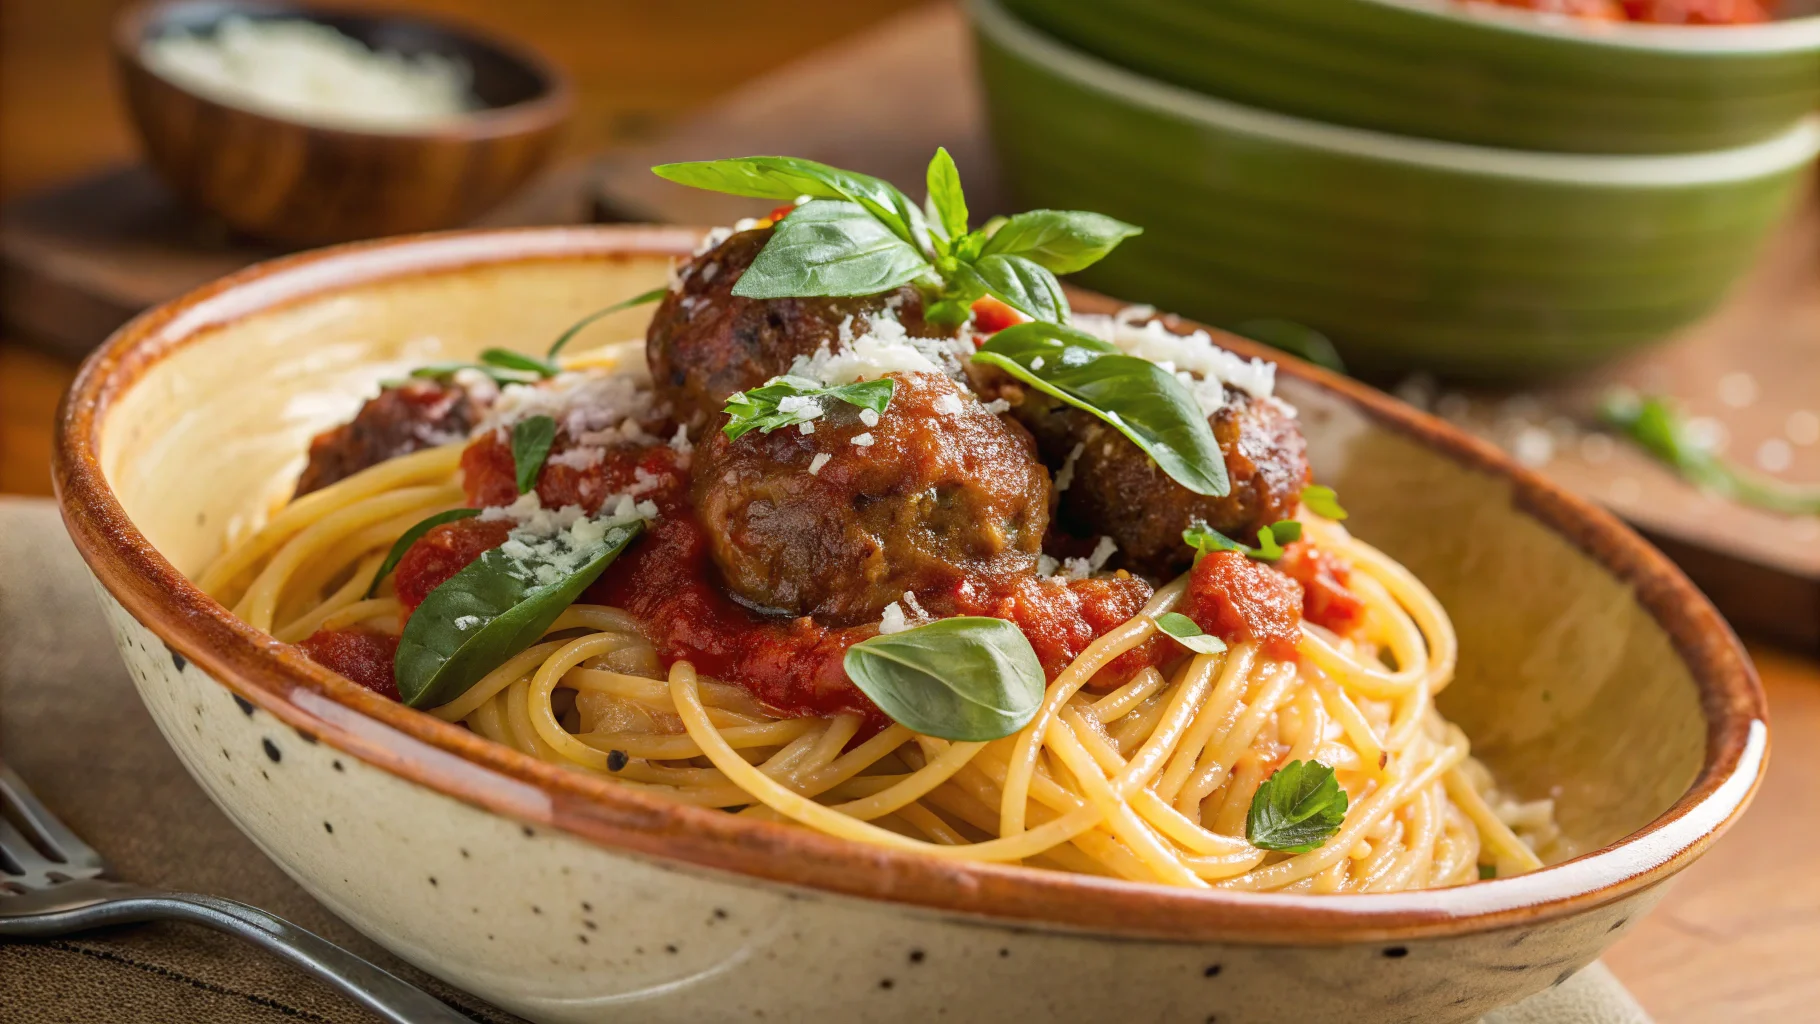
pixel 1788 150
pixel 1784 35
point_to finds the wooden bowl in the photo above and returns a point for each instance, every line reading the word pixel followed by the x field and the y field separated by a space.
pixel 304 184
pixel 1587 663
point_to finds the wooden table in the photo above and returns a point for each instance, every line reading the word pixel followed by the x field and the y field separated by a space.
pixel 1734 939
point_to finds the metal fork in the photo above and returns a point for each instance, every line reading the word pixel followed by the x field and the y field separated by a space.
pixel 51 884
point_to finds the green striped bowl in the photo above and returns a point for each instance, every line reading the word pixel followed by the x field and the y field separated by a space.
pixel 1468 72
pixel 1407 252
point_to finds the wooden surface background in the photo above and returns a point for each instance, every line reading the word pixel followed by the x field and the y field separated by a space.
pixel 1734 940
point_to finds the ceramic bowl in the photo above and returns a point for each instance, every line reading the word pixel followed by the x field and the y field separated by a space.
pixel 304 184
pixel 1409 253
pixel 1470 72
pixel 1590 668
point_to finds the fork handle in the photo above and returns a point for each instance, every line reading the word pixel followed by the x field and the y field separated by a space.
pixel 392 998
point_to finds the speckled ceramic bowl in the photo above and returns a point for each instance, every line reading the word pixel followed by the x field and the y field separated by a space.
pixel 1590 668
pixel 1470 72
pixel 1409 253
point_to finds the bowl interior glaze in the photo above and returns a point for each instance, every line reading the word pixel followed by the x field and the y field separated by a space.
pixel 1567 685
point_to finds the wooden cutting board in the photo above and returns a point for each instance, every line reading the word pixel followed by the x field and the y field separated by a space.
pixel 82 259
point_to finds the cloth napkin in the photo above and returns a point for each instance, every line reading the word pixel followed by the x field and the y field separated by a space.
pixel 73 727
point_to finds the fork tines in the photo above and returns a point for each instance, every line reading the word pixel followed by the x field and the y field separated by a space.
pixel 36 850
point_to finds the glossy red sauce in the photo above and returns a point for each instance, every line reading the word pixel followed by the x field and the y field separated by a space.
pixel 440 554
pixel 1326 601
pixel 1237 599
pixel 363 655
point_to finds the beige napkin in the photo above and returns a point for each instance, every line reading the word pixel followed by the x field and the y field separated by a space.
pixel 71 724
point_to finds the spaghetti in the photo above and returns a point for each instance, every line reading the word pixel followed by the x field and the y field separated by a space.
pixel 1149 782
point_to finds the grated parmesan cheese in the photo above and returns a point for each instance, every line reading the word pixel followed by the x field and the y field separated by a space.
pixel 893 620
pixel 1201 365
pixel 310 72
pixel 1065 475
pixel 998 407
pixel 862 440
pixel 816 464
pixel 947 405
pixel 870 418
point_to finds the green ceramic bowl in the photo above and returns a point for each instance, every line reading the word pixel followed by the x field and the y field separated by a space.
pixel 1468 72
pixel 1407 252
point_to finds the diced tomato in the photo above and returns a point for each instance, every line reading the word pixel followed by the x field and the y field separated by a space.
pixel 362 655
pixel 1237 599
pixel 781 212
pixel 991 316
pixel 1326 601
pixel 440 554
pixel 491 478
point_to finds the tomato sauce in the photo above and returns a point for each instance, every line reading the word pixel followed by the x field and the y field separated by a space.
pixel 363 655
pixel 1326 601
pixel 1238 599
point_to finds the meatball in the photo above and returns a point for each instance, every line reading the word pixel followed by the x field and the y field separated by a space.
pixel 839 523
pixel 705 343
pixel 415 415
pixel 1116 490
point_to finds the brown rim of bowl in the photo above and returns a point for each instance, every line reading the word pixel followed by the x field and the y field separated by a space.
pixel 453 761
pixel 550 107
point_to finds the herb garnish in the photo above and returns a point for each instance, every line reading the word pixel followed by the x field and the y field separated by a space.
pixel 494 608
pixel 787 400
pixel 1323 502
pixel 503 366
pixel 1188 633
pixel 412 536
pixel 1205 539
pixel 1297 809
pixel 966 678
pixel 575 328
pixel 1140 399
pixel 859 235
pixel 531 440
pixel 1654 425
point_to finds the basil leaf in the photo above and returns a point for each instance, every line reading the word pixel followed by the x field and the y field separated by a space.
pixel 531 440
pixel 412 536
pixel 1297 809
pixel 967 678
pixel 766 408
pixel 1018 283
pixel 1272 538
pixel 575 328
pixel 944 182
pixel 830 248
pixel 1137 397
pixel 1322 501
pixel 499 375
pixel 491 610
pixel 1295 339
pixel 1062 241
pixel 506 359
pixel 1205 539
pixel 785 177
pixel 1188 633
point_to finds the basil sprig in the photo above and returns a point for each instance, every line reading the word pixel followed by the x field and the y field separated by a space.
pixel 531 441
pixel 1654 425
pixel 575 328
pixel 1297 809
pixel 494 608
pixel 1205 539
pixel 1137 397
pixel 761 408
pixel 1189 634
pixel 412 536
pixel 859 235
pixel 967 678
pixel 1322 501
pixel 503 366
